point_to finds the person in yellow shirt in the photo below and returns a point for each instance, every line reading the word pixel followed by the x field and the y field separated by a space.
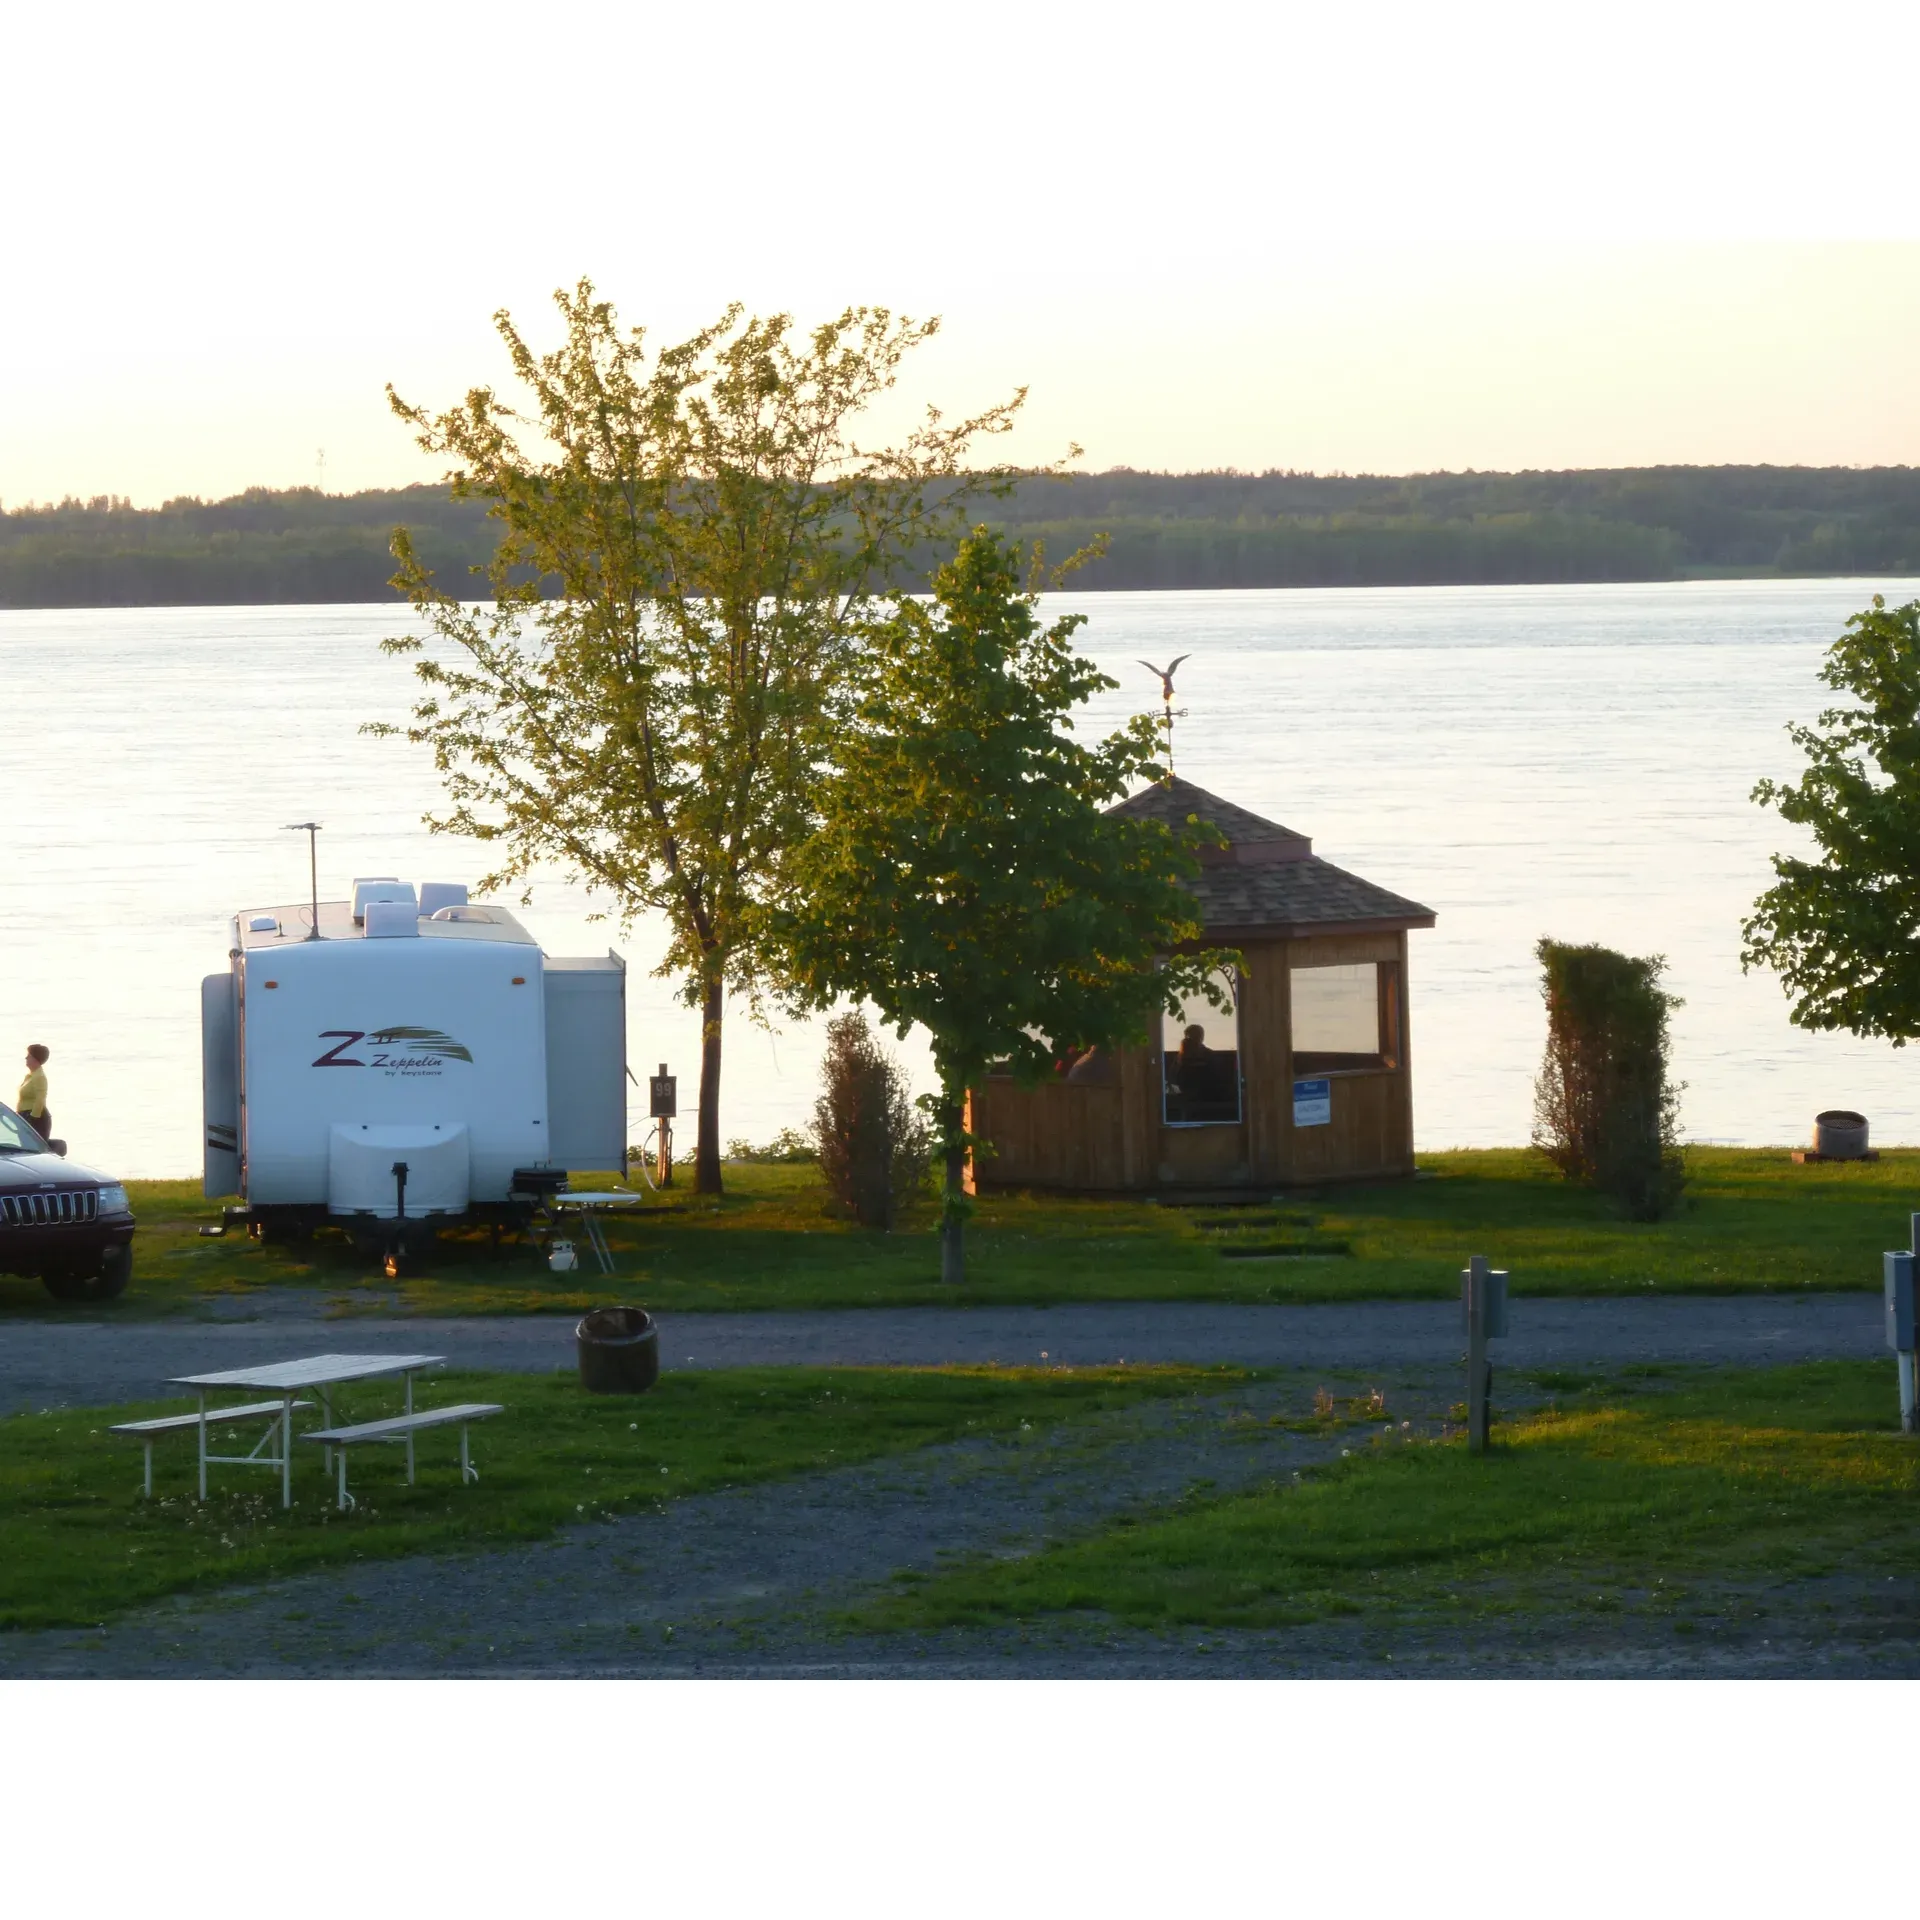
pixel 31 1101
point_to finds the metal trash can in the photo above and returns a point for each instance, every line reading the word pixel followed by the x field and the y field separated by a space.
pixel 619 1349
pixel 1840 1134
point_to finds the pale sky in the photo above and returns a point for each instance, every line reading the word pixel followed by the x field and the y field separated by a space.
pixel 1385 238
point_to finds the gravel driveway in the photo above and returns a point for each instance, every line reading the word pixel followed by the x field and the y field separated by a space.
pixel 45 1363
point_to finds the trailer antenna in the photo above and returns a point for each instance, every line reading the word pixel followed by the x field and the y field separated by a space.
pixel 311 828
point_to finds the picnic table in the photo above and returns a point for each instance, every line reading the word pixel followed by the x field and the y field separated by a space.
pixel 287 1380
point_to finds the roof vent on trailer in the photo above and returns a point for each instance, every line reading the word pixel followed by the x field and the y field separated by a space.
pixel 435 894
pixel 392 919
pixel 365 892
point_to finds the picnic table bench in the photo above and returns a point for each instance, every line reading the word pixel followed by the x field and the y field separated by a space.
pixel 147 1431
pixel 403 1427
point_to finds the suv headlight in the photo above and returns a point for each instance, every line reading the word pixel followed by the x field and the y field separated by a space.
pixel 114 1200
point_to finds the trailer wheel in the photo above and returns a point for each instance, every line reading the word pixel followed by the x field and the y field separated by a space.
pixel 107 1282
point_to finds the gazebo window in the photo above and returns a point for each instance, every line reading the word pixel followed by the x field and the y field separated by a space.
pixel 1200 1062
pixel 1084 1066
pixel 1072 1066
pixel 1346 1019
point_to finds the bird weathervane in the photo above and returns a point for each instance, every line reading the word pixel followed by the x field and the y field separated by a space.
pixel 1170 713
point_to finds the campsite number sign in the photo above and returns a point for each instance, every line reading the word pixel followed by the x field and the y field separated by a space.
pixel 663 1101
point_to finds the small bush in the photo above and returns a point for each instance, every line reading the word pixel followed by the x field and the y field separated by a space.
pixel 1603 1111
pixel 788 1148
pixel 873 1146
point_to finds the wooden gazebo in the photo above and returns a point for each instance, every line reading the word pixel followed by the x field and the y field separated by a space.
pixel 1305 1079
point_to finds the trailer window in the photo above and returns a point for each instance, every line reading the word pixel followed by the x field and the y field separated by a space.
pixel 1346 1019
pixel 1200 1062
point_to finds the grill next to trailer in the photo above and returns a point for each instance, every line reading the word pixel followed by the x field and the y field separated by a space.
pixel 49 1209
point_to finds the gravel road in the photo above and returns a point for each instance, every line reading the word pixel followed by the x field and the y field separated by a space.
pixel 46 1363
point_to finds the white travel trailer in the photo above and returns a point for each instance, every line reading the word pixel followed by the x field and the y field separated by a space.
pixel 400 1060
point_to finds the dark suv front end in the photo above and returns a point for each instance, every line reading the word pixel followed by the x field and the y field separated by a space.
pixel 71 1226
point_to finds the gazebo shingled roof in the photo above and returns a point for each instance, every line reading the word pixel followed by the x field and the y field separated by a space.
pixel 1173 800
pixel 1267 880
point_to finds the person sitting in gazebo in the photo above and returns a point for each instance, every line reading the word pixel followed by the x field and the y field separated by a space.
pixel 1201 1079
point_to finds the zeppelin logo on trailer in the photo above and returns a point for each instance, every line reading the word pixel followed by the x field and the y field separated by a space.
pixel 415 1052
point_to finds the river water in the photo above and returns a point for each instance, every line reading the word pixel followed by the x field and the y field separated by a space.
pixel 1572 761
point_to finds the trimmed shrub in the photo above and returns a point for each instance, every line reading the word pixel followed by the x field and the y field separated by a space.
pixel 874 1146
pixel 1603 1111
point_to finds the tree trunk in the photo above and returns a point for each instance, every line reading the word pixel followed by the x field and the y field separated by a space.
pixel 706 1152
pixel 953 1206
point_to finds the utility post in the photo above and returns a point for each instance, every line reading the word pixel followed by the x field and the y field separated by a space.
pixel 664 1105
pixel 1483 1297
pixel 1896 1279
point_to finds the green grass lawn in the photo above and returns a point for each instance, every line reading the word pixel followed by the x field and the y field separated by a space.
pixel 78 1544
pixel 1752 1222
pixel 1646 1499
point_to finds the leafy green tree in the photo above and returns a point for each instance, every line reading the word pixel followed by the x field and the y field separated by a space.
pixel 689 544
pixel 1843 930
pixel 965 877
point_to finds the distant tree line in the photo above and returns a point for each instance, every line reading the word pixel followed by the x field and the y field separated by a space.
pixel 1164 530
pixel 258 548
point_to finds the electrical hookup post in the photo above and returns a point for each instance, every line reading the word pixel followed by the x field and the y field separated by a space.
pixel 1896 1277
pixel 1483 1301
pixel 663 1109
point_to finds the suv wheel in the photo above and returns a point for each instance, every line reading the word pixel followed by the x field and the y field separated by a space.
pixel 107 1282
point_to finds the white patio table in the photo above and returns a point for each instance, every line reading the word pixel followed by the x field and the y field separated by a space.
pixel 589 1206
pixel 289 1378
